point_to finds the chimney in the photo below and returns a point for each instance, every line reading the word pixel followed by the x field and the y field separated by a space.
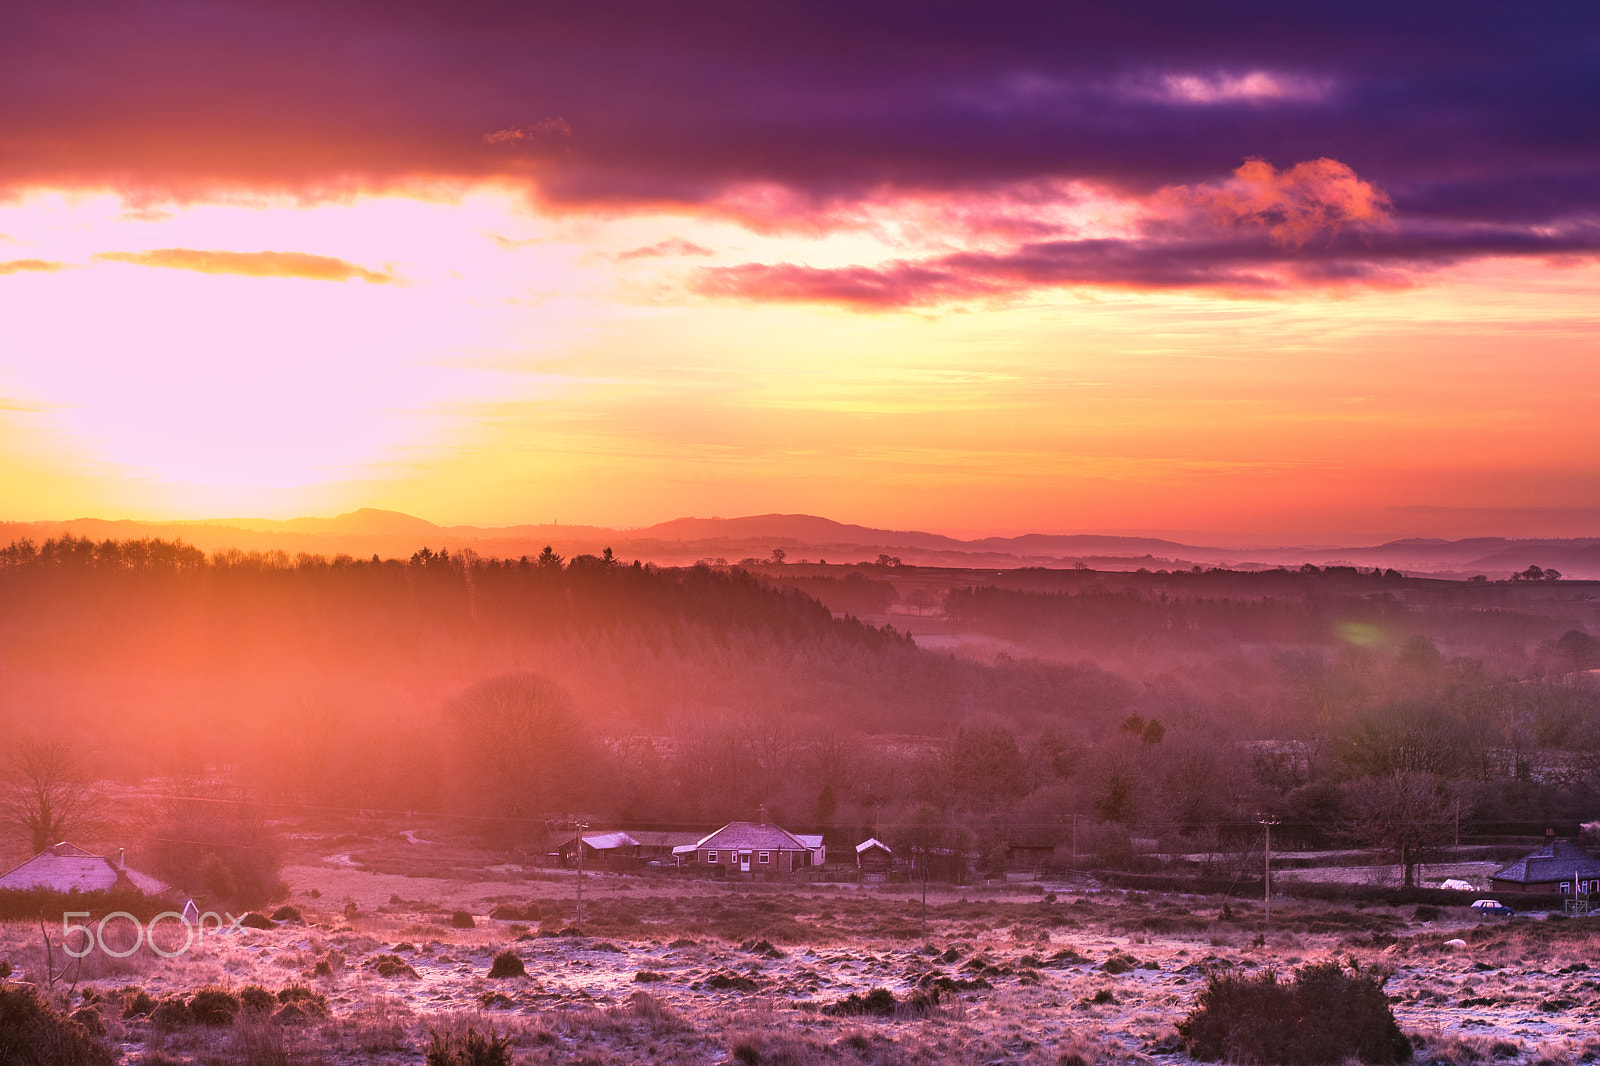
pixel 120 853
pixel 1549 835
pixel 763 814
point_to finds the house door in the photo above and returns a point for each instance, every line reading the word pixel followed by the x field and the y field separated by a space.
pixel 744 862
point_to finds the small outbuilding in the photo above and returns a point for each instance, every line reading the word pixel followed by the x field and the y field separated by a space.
pixel 614 845
pixel 873 859
pixel 1558 868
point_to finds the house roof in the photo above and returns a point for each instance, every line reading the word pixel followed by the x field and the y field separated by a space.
pixel 1556 861
pixel 873 842
pixel 752 836
pixel 605 841
pixel 810 840
pixel 632 838
pixel 68 868
pixel 652 838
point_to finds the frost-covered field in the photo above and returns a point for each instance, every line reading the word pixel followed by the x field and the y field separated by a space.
pixel 691 972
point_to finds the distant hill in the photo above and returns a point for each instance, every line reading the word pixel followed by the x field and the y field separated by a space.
pixel 809 538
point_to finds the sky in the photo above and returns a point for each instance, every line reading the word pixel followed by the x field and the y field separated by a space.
pixel 1299 271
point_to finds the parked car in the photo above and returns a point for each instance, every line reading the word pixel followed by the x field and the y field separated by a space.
pixel 1492 906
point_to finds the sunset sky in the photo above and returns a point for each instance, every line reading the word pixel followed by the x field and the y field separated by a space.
pixel 1310 271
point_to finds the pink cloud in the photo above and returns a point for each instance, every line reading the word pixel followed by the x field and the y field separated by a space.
pixel 1310 200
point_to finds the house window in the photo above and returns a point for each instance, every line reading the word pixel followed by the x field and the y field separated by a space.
pixel 1566 887
pixel 711 856
pixel 766 856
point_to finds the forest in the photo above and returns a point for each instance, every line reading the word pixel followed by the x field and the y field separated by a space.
pixel 1129 713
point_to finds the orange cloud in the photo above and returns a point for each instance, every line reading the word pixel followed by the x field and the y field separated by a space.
pixel 17 266
pixel 252 264
pixel 549 127
pixel 1317 198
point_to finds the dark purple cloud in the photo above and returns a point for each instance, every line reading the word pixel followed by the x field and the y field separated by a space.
pixel 1228 264
pixel 1466 114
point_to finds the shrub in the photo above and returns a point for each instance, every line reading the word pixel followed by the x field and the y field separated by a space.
pixel 257 999
pixel 508 964
pixel 256 920
pixel 462 920
pixel 307 998
pixel 35 1033
pixel 90 1018
pixel 170 1012
pixel 470 1048
pixel 213 1006
pixel 389 965
pixel 300 1005
pixel 731 982
pixel 879 1002
pixel 1322 1016
pixel 288 913
pixel 135 1001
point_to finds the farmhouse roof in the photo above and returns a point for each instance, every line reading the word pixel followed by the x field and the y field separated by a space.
pixel 872 842
pixel 1556 861
pixel 752 836
pixel 68 868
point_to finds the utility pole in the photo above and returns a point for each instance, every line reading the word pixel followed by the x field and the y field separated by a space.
pixel 1268 823
pixel 580 826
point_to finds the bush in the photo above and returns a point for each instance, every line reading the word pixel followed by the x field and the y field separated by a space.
pixel 508 964
pixel 213 1006
pixel 470 1048
pixel 171 1012
pixel 288 913
pixel 135 1001
pixel 1323 1016
pixel 390 965
pixel 300 1004
pixel 879 1002
pixel 34 1033
pixel 462 920
pixel 257 920
pixel 256 999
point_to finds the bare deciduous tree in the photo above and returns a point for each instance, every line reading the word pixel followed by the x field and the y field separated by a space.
pixel 1404 815
pixel 47 794
pixel 521 749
